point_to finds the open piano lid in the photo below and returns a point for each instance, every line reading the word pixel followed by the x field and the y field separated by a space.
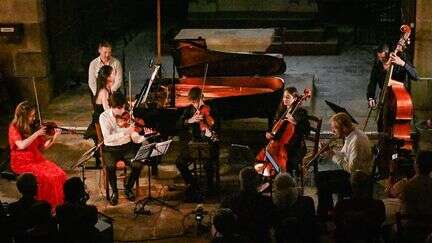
pixel 191 55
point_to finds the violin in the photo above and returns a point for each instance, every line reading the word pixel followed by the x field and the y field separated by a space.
pixel 125 120
pixel 50 128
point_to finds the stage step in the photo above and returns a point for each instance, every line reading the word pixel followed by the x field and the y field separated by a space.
pixel 301 48
pixel 250 20
pixel 295 35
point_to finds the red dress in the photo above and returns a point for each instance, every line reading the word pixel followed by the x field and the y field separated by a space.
pixel 49 176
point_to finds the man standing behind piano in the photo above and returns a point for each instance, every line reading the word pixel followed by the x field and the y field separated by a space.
pixel 105 58
pixel 355 155
pixel 189 126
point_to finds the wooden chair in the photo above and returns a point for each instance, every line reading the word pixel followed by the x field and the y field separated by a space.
pixel 120 166
pixel 315 126
pixel 315 123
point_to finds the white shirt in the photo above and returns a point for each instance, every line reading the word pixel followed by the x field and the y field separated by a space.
pixel 355 154
pixel 113 134
pixel 94 67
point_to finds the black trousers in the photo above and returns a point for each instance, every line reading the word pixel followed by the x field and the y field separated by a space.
pixel 329 181
pixel 184 158
pixel 125 152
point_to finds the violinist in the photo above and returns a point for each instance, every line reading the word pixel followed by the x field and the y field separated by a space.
pixel 191 127
pixel 26 153
pixel 104 82
pixel 296 148
pixel 120 144
pixel 335 168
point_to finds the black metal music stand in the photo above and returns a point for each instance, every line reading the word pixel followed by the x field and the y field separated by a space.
pixel 144 154
pixel 87 155
pixel 336 109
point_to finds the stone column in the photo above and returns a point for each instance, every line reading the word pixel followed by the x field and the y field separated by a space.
pixel 422 90
pixel 23 59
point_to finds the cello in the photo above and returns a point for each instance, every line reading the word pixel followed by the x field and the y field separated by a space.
pixel 284 131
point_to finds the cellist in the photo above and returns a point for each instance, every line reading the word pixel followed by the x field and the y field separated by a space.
pixel 296 148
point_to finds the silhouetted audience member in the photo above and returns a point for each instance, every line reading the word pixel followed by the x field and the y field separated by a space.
pixel 76 219
pixel 252 209
pixel 416 196
pixel 360 217
pixel 416 201
pixel 5 230
pixel 30 218
pixel 294 218
pixel 224 226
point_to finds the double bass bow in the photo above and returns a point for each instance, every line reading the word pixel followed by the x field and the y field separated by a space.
pixel 284 130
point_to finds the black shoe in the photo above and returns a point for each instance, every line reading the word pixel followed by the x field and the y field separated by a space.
pixel 130 195
pixel 114 199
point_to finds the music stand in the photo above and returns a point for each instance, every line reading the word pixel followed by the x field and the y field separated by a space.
pixel 86 156
pixel 143 155
pixel 336 109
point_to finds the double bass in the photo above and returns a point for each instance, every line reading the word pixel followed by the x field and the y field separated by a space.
pixel 284 131
pixel 396 99
pixel 396 109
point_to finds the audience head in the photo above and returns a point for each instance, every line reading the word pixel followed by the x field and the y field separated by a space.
pixel 25 114
pixel 285 191
pixel 423 164
pixel 118 103
pixel 105 51
pixel 195 94
pixel 27 185
pixel 224 222
pixel 360 184
pixel 249 179
pixel 74 191
pixel 105 77
pixel 341 124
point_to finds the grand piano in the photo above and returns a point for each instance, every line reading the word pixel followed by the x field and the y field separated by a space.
pixel 238 85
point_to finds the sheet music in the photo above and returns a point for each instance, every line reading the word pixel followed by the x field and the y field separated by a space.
pixel 144 151
pixel 161 148
pixel 273 162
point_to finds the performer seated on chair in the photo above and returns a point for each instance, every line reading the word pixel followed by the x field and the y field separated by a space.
pixel 189 124
pixel 120 144
pixel 355 155
pixel 296 148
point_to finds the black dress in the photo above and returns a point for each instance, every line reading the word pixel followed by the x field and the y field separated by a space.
pixel 297 147
pixel 91 129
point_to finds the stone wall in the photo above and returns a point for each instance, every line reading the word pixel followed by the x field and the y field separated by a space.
pixel 422 90
pixel 22 60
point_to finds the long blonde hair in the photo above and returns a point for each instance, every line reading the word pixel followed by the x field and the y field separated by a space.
pixel 21 118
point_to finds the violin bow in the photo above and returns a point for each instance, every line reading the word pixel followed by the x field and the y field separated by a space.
pixel 130 94
pixel 37 102
pixel 203 85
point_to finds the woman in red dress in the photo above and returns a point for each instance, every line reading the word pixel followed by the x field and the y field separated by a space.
pixel 26 155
